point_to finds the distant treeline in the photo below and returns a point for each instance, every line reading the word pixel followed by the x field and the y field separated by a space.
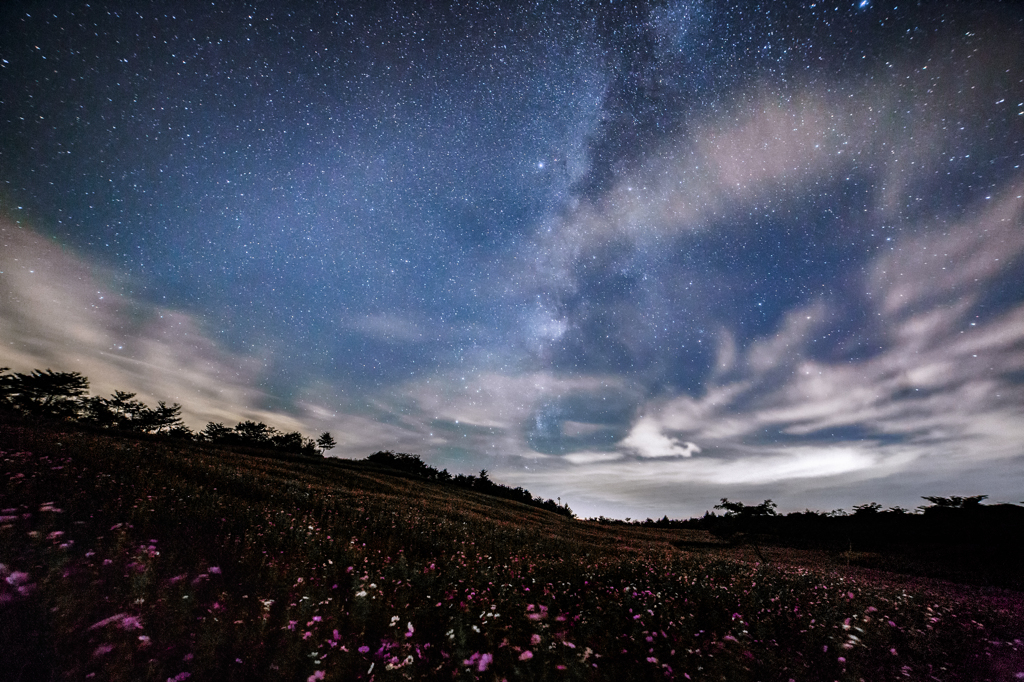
pixel 63 397
pixel 412 464
pixel 945 521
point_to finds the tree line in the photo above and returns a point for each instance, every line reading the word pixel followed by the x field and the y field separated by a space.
pixel 412 464
pixel 63 396
pixel 946 521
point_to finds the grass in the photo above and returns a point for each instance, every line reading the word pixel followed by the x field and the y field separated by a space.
pixel 133 560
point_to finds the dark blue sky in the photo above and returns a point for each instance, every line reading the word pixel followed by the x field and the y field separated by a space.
pixel 637 255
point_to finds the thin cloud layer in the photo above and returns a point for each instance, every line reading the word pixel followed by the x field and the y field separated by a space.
pixel 61 312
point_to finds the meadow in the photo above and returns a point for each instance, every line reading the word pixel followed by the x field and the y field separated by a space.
pixel 125 558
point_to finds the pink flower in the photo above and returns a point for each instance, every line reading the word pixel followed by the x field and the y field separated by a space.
pixel 364 649
pixel 17 578
pixel 842 660
pixel 103 649
pixel 307 635
pixel 215 570
pixel 107 621
pixel 485 660
pixel 318 675
pixel 526 655
pixel 130 623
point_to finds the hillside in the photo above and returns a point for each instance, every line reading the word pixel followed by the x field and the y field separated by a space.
pixel 133 559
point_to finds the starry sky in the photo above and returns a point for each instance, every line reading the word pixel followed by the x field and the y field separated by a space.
pixel 636 255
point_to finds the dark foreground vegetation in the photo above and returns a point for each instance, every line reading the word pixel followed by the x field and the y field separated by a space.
pixel 61 398
pixel 952 538
pixel 127 557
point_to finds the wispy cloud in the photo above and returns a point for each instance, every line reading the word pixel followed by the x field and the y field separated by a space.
pixel 61 311
pixel 937 399
pixel 388 327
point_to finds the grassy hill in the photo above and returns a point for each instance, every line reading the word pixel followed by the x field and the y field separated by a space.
pixel 134 559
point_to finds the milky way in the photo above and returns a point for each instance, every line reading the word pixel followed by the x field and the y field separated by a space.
pixel 640 256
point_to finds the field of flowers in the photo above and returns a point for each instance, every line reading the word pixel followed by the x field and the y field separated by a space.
pixel 131 560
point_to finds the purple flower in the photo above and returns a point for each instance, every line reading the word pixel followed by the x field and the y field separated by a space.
pixel 17 578
pixel 130 623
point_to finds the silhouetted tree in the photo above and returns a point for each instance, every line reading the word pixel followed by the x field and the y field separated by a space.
pixel 44 393
pixel 129 414
pixel 743 511
pixel 326 441
pixel 254 433
pixel 181 432
pixel 955 502
pixel 96 412
pixel 163 419
pixel 289 442
pixel 215 432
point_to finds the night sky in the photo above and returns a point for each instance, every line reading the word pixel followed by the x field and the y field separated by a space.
pixel 638 256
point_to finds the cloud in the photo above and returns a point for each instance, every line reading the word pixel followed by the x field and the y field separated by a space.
pixel 648 440
pixel 388 327
pixel 592 457
pixel 939 398
pixel 60 311
pixel 898 128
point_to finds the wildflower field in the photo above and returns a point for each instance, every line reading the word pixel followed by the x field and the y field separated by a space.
pixel 124 559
